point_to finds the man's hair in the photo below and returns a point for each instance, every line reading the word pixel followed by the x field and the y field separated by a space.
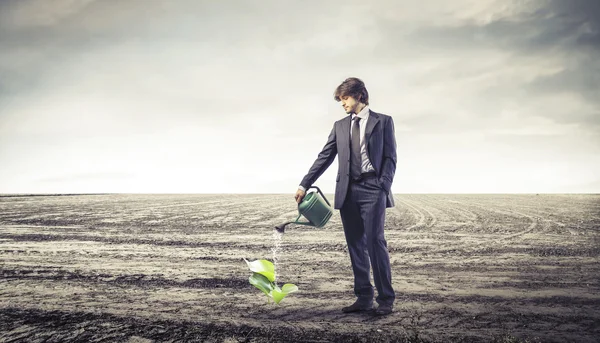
pixel 353 87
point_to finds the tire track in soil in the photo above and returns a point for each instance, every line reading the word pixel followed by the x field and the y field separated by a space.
pixel 544 214
pixel 532 224
pixel 452 213
pixel 433 218
pixel 419 216
pixel 489 209
pixel 454 208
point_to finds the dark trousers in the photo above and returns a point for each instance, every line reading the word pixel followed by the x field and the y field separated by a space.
pixel 363 218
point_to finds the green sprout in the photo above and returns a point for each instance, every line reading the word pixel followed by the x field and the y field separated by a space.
pixel 263 278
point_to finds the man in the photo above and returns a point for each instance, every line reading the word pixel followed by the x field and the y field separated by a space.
pixel 366 147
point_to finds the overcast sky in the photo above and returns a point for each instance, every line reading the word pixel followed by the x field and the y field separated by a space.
pixel 160 96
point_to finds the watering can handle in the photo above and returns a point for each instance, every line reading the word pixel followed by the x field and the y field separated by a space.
pixel 324 198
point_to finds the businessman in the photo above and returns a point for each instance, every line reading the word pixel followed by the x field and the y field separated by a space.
pixel 365 144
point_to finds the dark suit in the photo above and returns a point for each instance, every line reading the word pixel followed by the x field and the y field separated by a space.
pixel 362 204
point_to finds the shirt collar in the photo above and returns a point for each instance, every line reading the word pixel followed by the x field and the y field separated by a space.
pixel 362 114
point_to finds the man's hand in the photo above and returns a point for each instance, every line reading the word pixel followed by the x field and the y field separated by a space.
pixel 300 195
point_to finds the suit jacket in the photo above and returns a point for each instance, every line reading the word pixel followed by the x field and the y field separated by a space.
pixel 381 148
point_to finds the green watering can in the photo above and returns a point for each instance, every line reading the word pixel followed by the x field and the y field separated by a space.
pixel 314 207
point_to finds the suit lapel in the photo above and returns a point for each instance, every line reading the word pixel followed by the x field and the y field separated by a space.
pixel 373 120
pixel 346 131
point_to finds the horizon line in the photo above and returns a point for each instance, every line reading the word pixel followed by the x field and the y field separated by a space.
pixel 291 194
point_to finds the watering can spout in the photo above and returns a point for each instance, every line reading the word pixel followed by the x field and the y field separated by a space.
pixel 281 228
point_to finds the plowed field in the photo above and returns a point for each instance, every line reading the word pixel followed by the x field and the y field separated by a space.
pixel 169 268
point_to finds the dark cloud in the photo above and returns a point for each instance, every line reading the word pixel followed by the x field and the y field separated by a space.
pixel 558 24
pixel 32 51
pixel 161 33
pixel 583 17
pixel 567 33
pixel 555 25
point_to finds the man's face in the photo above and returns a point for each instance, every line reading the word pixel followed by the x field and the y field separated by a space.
pixel 349 103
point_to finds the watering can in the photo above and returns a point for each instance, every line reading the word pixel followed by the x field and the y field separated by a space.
pixel 314 207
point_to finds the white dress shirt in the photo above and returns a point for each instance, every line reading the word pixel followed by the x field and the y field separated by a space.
pixel 364 117
pixel 365 163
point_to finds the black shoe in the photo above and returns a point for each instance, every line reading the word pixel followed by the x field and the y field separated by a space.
pixel 358 307
pixel 383 310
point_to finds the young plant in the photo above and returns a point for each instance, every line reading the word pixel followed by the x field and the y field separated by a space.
pixel 263 278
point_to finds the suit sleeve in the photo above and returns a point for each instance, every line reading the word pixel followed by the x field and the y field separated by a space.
pixel 388 169
pixel 323 161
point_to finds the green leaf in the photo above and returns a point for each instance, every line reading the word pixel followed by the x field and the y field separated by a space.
pixel 261 282
pixel 289 288
pixel 279 293
pixel 263 267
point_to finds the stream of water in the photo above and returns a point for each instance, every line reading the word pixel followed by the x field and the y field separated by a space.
pixel 277 236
